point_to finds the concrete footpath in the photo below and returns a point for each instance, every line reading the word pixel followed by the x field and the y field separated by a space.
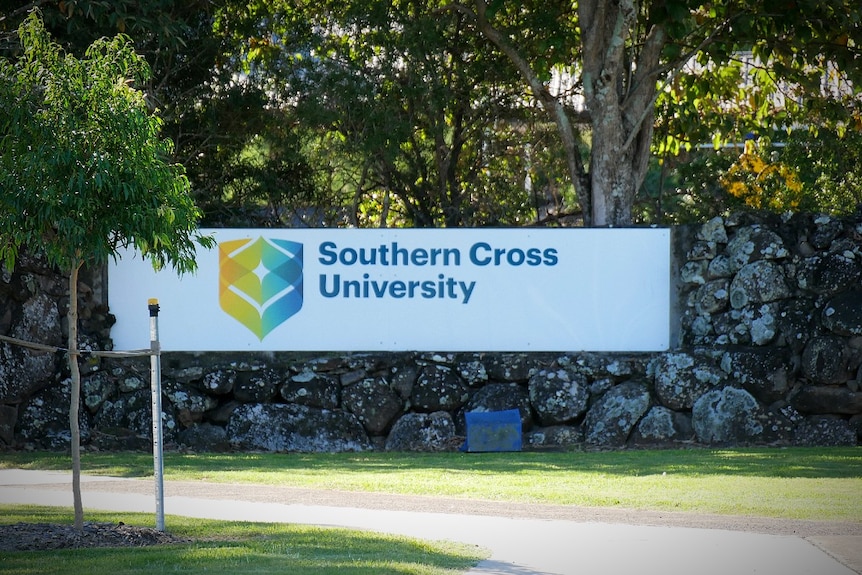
pixel 522 539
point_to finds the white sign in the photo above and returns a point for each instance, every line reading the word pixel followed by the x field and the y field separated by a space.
pixel 405 289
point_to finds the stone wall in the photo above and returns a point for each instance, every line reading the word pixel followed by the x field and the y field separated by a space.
pixel 767 351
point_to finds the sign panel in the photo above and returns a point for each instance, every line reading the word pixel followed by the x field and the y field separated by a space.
pixel 405 289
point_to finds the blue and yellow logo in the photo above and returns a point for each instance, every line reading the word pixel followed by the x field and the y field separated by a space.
pixel 260 282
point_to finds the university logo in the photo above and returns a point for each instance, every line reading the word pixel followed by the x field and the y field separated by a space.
pixel 260 282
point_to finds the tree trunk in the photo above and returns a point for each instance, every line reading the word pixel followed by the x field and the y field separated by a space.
pixel 619 78
pixel 72 316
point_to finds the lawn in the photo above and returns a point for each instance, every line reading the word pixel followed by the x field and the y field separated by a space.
pixel 797 483
pixel 238 548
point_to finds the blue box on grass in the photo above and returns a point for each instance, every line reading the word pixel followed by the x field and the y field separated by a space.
pixel 493 431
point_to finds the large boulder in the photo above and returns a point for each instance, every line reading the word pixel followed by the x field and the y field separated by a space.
pixel 824 360
pixel 681 378
pixel 822 431
pixel 131 415
pixel 219 381
pixel 312 389
pixel 554 437
pixel 765 372
pixel 727 415
pixel 754 243
pixel 204 437
pixel 501 397
pixel 438 389
pixel 828 273
pixel 821 399
pixel 189 403
pixel 663 426
pixel 610 421
pixel 759 282
pixel 843 314
pixel 514 367
pixel 257 386
pixel 295 428
pixel 424 432
pixel 374 403
pixel 558 395
pixel 43 420
pixel 24 371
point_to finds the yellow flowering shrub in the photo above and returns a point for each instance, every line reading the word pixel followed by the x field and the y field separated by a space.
pixel 761 184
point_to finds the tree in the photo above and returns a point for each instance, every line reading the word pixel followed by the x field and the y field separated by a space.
pixel 626 55
pixel 84 172
pixel 410 118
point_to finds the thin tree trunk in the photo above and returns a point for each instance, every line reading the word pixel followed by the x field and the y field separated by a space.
pixel 75 371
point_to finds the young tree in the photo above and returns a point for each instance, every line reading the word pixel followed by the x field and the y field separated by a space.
pixel 84 172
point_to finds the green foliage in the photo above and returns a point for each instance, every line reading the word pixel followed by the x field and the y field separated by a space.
pixel 83 170
pixel 410 119
pixel 763 70
pixel 828 164
pixel 372 113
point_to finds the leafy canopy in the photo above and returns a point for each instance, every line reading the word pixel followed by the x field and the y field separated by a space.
pixel 83 170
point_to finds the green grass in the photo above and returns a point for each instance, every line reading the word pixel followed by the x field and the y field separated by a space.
pixel 798 483
pixel 236 548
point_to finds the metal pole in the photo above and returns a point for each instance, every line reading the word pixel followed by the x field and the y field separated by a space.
pixel 156 385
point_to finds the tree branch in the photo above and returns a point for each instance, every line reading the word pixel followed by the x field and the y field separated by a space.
pixel 551 104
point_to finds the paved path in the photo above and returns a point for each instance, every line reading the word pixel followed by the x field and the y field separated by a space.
pixel 522 539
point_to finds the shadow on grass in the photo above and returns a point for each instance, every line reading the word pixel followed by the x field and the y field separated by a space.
pixel 236 548
pixel 840 462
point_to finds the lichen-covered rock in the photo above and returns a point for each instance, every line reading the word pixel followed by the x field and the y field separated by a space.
pixel 694 272
pixel 759 282
pixel 438 389
pixel 24 371
pixel 663 426
pixel 554 437
pixel 712 297
pixel 728 415
pixel 713 231
pixel 402 377
pixel 754 243
pixel 473 372
pixel 508 367
pixel 257 386
pixel 828 273
pixel 824 360
pixel 295 428
pixel 558 396
pixel 189 374
pixel 752 325
pixel 423 432
pixel 312 389
pixel 681 378
pixel 374 403
pixel 43 420
pixel 842 315
pixel 501 397
pixel 219 381
pixel 824 230
pixel 96 389
pixel 132 413
pixel 825 432
pixel 764 372
pixel 828 399
pixel 189 403
pixel 204 437
pixel 610 421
